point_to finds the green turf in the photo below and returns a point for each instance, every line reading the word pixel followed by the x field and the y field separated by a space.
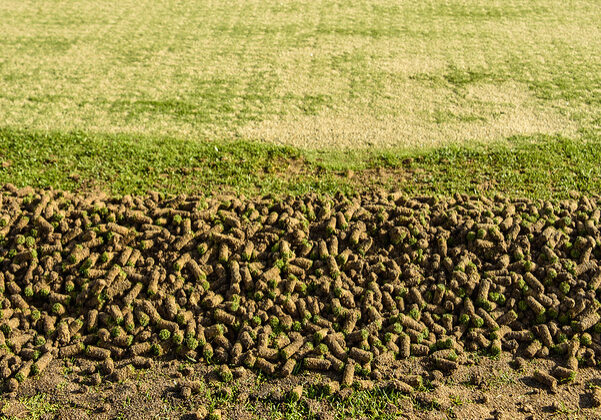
pixel 539 167
pixel 309 73
pixel 452 96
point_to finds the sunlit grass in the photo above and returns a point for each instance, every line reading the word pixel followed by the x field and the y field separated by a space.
pixel 538 167
pixel 314 74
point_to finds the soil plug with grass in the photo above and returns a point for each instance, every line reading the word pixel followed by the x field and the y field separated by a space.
pixel 295 394
pixel 348 374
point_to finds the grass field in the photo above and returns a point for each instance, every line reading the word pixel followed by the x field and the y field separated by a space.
pixel 125 96
pixel 304 73
pixel 296 96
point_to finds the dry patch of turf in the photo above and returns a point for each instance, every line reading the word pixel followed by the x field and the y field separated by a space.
pixel 420 117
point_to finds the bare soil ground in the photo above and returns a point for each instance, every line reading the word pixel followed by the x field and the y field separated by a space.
pixel 492 389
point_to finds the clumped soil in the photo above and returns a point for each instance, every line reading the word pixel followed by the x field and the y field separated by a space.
pixel 376 291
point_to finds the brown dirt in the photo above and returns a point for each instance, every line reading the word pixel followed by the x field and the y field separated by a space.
pixel 490 390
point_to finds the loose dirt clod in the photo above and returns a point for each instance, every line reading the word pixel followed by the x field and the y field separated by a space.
pixel 545 379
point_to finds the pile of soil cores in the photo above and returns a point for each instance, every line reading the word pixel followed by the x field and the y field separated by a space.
pixel 344 285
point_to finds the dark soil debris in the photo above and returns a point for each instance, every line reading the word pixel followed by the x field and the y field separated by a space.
pixel 350 287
